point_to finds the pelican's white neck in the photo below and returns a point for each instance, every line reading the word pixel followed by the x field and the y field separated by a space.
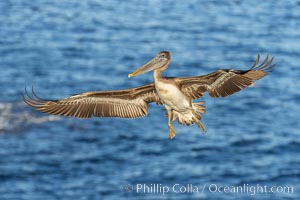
pixel 157 75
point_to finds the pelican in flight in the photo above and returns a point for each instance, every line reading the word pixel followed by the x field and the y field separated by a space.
pixel 176 94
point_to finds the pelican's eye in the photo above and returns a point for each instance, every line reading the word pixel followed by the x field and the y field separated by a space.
pixel 162 56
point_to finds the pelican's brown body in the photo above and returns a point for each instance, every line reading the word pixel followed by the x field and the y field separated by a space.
pixel 176 94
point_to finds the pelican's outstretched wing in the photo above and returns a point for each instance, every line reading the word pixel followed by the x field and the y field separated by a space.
pixel 130 103
pixel 224 82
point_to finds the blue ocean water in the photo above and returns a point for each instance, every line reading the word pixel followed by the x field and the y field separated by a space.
pixel 66 47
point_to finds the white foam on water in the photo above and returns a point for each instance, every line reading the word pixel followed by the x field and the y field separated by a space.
pixel 15 115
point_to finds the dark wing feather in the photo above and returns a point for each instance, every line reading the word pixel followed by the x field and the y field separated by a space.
pixel 224 82
pixel 130 103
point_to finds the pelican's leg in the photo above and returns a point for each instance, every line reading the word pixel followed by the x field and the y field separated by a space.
pixel 199 123
pixel 172 132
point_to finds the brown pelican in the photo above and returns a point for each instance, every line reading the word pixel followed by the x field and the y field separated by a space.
pixel 176 94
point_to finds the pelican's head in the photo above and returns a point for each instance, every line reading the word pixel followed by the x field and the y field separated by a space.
pixel 162 59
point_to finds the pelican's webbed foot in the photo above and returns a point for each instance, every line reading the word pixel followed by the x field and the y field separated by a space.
pixel 172 132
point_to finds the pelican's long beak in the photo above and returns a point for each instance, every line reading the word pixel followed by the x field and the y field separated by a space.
pixel 153 64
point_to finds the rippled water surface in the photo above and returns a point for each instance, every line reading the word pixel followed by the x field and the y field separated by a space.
pixel 66 47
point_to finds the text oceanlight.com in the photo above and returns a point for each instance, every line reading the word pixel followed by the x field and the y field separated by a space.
pixel 211 188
